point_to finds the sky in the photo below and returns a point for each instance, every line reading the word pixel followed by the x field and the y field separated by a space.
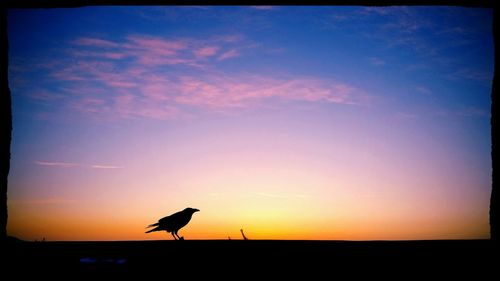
pixel 327 123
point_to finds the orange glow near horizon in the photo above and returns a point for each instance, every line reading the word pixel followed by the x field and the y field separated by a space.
pixel 274 214
pixel 277 227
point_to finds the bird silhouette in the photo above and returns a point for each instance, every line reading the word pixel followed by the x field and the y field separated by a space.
pixel 174 222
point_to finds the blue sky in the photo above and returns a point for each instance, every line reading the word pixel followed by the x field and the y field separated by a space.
pixel 392 101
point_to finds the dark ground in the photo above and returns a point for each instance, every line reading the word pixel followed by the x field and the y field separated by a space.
pixel 238 259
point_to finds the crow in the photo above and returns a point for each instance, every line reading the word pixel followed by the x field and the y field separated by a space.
pixel 174 222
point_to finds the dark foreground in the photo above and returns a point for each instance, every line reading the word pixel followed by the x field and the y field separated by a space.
pixel 404 260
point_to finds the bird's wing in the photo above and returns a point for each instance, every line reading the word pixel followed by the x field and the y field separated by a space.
pixel 167 220
pixel 173 221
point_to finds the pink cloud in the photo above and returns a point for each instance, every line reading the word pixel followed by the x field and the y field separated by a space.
pixel 89 105
pixel 157 91
pixel 137 88
pixel 105 167
pixel 157 46
pixel 113 79
pixel 107 91
pixel 114 55
pixel 229 54
pixel 124 103
pixel 196 92
pixel 95 42
pixel 156 51
pixel 158 111
pixel 149 59
pixel 148 50
pixel 214 92
pixel 135 71
pixel 107 55
pixel 124 99
pixel 162 97
pixel 122 84
pixel 206 52
pixel 150 100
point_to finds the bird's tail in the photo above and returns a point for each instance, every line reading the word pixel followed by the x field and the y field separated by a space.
pixel 154 229
pixel 154 224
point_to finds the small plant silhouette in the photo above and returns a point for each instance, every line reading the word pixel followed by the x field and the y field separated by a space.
pixel 243 234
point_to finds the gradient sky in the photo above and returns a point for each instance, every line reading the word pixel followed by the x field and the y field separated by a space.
pixel 352 123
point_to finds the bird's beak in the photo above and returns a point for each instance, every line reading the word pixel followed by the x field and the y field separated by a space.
pixel 196 210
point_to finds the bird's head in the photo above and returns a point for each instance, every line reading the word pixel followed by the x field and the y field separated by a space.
pixel 191 210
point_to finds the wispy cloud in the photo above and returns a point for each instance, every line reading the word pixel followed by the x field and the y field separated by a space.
pixel 105 167
pixel 206 51
pixel 229 54
pixel 95 42
pixel 131 90
pixel 377 61
pixel 400 115
pixel 460 35
pixel 410 29
pixel 472 111
pixel 163 97
pixel 72 165
pixel 157 51
pixel 400 18
pixel 468 111
pixel 423 90
pixel 131 82
pixel 42 201
pixel 156 45
pixel 44 95
pixel 229 38
pixel 243 91
pixel 470 74
pixel 419 45
pixel 262 7
pixel 383 11
pixel 57 164
pixel 95 54
pixel 281 195
pixel 151 51
pixel 434 42
pixel 455 30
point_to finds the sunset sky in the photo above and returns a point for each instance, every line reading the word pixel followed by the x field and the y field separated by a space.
pixel 353 123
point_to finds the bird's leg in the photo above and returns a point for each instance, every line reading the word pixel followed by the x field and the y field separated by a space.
pixel 177 234
pixel 174 235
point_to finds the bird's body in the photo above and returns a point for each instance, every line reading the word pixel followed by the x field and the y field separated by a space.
pixel 174 222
